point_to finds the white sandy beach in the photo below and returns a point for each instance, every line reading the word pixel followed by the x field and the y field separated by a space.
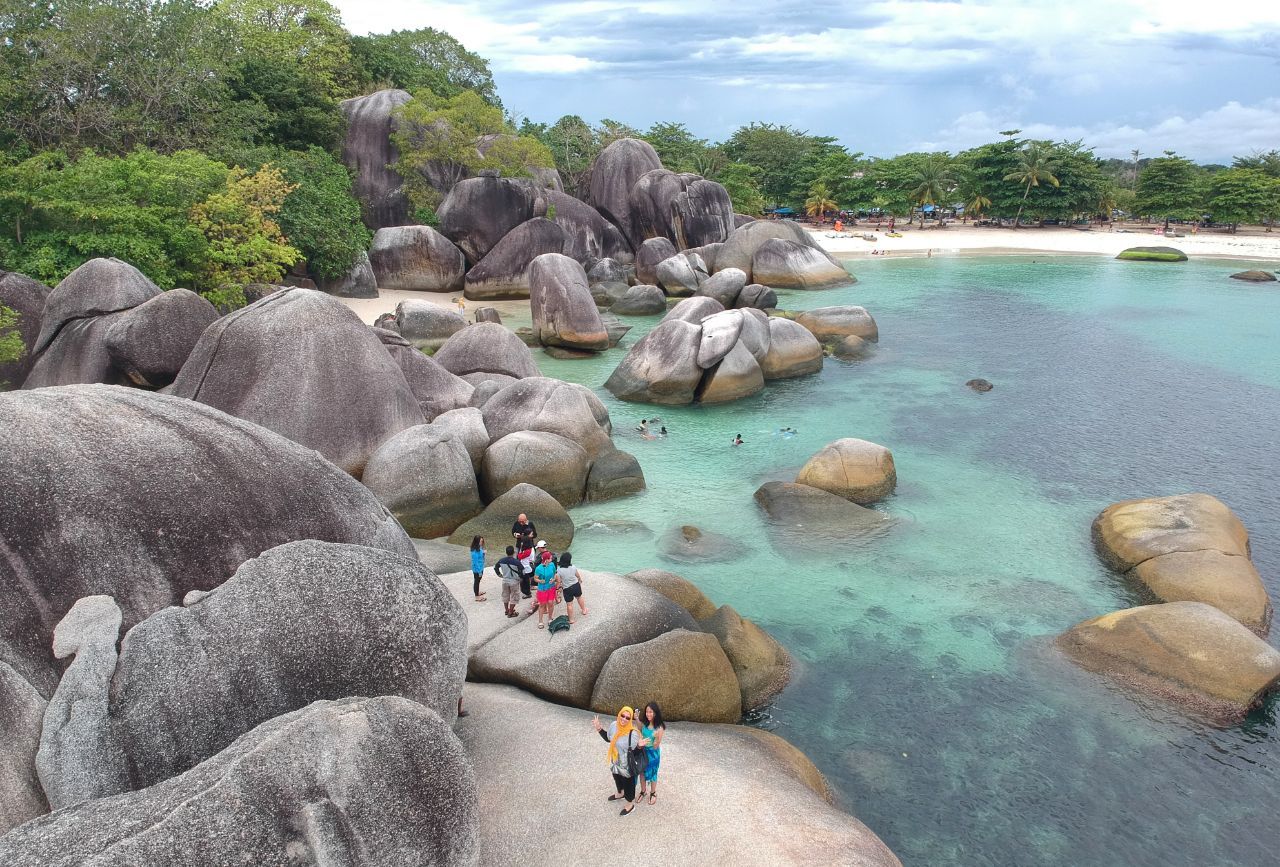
pixel 1051 239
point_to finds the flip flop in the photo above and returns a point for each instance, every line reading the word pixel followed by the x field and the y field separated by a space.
pixel 541 626
pixel 653 799
pixel 616 797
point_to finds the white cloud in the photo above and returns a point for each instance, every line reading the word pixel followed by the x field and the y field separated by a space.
pixel 554 64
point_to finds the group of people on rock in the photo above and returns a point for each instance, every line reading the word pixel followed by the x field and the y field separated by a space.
pixel 531 571
pixel 635 752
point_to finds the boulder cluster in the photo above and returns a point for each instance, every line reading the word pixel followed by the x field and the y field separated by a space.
pixel 1201 645
pixel 829 498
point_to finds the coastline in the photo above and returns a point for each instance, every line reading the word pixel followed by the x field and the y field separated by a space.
pixel 1051 240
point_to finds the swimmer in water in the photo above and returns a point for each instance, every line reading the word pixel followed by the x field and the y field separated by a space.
pixel 663 432
pixel 737 440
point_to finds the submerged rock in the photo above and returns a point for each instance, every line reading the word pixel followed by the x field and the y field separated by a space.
pixel 689 544
pixel 979 385
pixel 1254 276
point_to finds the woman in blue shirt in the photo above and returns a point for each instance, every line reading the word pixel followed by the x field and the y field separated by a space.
pixel 477 566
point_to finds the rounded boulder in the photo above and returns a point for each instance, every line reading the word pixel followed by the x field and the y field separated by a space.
pixel 426 478
pixel 486 348
pixel 857 470
pixel 832 323
pixel 416 258
pixel 557 465
pixel 564 313
pixel 793 351
pixel 686 673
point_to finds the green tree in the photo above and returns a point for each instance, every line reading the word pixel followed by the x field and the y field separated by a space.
pixel 1036 163
pixel 1242 195
pixel 307 33
pixel 934 181
pixel 573 145
pixel 438 139
pixel 679 149
pixel 819 202
pixel 275 103
pixel 1168 189
pixel 426 59
pixel 740 181
pixel 894 181
pixel 1268 162
pixel 244 243
pixel 779 152
pixel 11 346
pixel 984 169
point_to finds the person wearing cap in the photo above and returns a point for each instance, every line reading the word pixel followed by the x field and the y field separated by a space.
pixel 545 573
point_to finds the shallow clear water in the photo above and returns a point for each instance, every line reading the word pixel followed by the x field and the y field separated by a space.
pixel 925 686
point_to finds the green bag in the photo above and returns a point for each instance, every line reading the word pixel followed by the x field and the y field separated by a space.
pixel 558 624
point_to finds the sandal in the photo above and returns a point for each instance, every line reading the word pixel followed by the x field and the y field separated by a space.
pixel 653 798
pixel 541 626
pixel 482 598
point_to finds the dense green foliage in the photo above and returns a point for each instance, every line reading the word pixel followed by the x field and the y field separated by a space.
pixel 424 59
pixel 11 346
pixel 1168 190
pixel 1243 195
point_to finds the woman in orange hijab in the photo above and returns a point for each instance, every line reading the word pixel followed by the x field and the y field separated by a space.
pixel 623 737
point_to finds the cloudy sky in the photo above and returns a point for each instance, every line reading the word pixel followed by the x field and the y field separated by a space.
pixel 885 76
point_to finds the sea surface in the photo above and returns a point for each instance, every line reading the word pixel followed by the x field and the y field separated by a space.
pixel 926 686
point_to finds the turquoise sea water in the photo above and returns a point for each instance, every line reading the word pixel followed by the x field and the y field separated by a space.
pixel 926 688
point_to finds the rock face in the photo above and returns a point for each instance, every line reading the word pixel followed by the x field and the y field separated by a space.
pixel 369 155
pixel 857 470
pixel 833 323
pixel 359 282
pixel 557 465
pixel 653 198
pixel 853 348
pixel 71 347
pixel 640 301
pixel 1186 652
pixel 662 367
pixel 764 781
pixel 762 664
pixel 789 265
pixel 426 478
pixel 590 236
pixel 677 276
pixel 358 781
pixel 725 286
pixel 1255 276
pixel 686 673
pixel 494 524
pixel 613 173
pixel 649 255
pixel 486 348
pixel 679 590
pixel 614 474
pixel 189 680
pixel 740 247
pixel 563 312
pixel 151 342
pixel 702 214
pixel 465 424
pixel 303 365
pixel 21 717
pixel 757 296
pixel 793 351
pixel 436 389
pixel 415 257
pixel 565 669
pixel 504 272
pixel 425 324
pixel 734 377
pixel 478 212
pixel 1153 254
pixel 694 309
pixel 25 297
pixel 1189 547
pixel 85 456
pixel 551 406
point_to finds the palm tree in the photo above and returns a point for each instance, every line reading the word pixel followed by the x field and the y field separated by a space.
pixel 933 181
pixel 819 201
pixel 1035 164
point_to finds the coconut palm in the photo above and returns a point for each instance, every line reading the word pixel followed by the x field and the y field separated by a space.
pixel 1035 164
pixel 819 201
pixel 933 180
pixel 976 205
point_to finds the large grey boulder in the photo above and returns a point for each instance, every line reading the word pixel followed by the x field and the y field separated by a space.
pixel 640 300
pixel 478 212
pixel 426 478
pixel 677 276
pixel 565 670
pixel 358 282
pixel 686 673
pixel 793 351
pixel 590 236
pixel 613 172
pixel 614 474
pixel 803 516
pixel 720 333
pixel 416 257
pixel 755 334
pixel 436 389
pixel 21 718
pixel 734 377
pixel 790 265
pixel 752 774
pixel 833 323
pixel 654 200
pixel 151 342
pixel 504 272
pixel 702 214
pixel 369 155
pixel 25 297
pixel 762 664
pixel 494 524
pixel 189 680
pixel 71 347
pixel 707 253
pixel 662 367
pixel 467 425
pixel 149 530
pixel 302 364
pixel 606 270
pixel 557 465
pixel 360 781
pixel 757 296
pixel 740 247
pixel 425 324
pixel 649 255
pixel 694 309
pixel 552 406
pixel 725 286
pixel 564 313
pixel 486 348
pixel 857 470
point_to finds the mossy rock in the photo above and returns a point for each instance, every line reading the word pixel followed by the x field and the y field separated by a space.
pixel 1153 254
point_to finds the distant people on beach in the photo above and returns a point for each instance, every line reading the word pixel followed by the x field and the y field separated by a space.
pixel 623 738
pixel 508 571
pixel 652 728
pixel 477 566
pixel 571 586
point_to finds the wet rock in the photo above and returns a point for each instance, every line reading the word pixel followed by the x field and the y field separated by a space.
pixel 1254 276
pixel 151 342
pixel 614 474
pixel 426 478
pixel 494 523
pixel 662 367
pixel 563 311
pixel 686 673
pixel 1228 582
pixel 485 348
pixel 254 363
pixel 793 351
pixel 815 514
pixel 359 282
pixel 689 544
pixel 833 323
pixel 416 258
pixel 369 155
pixel 1189 653
pixel 679 590
pixel 980 385
pixel 357 781
pixel 504 272
pixel 857 470
pixel 427 325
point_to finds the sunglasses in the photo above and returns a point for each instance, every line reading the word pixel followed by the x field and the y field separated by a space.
pixel 626 716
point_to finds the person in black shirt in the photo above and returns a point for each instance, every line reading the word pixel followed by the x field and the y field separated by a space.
pixel 524 532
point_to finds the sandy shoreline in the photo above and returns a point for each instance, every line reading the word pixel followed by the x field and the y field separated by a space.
pixel 1051 239
pixel 514 313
